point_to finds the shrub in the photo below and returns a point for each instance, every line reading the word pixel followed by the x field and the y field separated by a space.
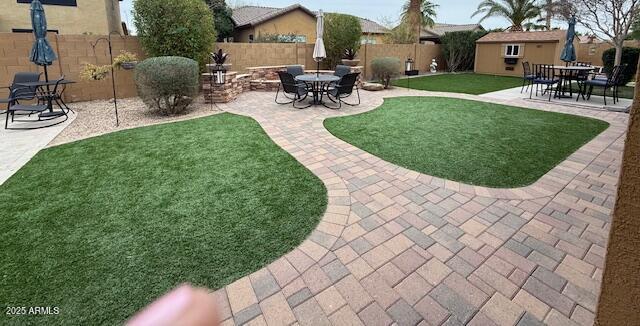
pixel 279 38
pixel 341 32
pixel 385 68
pixel 181 28
pixel 222 18
pixel 400 34
pixel 629 56
pixel 167 84
pixel 459 49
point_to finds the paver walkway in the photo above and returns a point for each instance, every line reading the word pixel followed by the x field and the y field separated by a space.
pixel 396 246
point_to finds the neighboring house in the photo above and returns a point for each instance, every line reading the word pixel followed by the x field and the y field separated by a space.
pixel 502 53
pixel 295 21
pixel 433 34
pixel 63 16
pixel 372 32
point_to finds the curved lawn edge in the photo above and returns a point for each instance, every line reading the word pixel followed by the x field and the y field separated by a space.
pixel 381 143
pixel 92 268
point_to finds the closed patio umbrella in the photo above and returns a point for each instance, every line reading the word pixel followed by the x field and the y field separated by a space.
pixel 569 51
pixel 41 54
pixel 319 53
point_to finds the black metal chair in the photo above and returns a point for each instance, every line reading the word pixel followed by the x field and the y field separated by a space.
pixel 545 76
pixel 295 70
pixel 293 91
pixel 612 82
pixel 343 89
pixel 527 76
pixel 25 93
pixel 580 77
pixel 45 97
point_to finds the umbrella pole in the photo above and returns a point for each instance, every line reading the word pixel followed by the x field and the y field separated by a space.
pixel 46 78
pixel 318 70
pixel 113 82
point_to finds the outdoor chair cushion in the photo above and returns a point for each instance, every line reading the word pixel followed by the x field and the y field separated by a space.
pixel 546 81
pixel 597 82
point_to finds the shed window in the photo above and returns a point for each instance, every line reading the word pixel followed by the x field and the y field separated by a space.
pixel 512 50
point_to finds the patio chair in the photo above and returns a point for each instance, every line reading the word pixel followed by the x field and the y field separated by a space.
pixel 545 76
pixel 343 89
pixel 295 70
pixel 527 77
pixel 15 107
pixel 342 70
pixel 612 82
pixel 293 91
pixel 25 93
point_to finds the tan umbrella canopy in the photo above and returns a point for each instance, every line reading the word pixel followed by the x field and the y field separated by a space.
pixel 319 52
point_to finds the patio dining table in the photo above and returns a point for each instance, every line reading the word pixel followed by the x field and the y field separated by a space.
pixel 47 94
pixel 565 75
pixel 317 83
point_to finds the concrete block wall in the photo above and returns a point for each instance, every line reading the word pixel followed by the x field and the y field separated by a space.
pixel 73 51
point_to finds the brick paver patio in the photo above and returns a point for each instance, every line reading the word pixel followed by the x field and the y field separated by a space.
pixel 397 246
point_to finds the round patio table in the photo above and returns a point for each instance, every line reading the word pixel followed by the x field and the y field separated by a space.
pixel 317 82
pixel 566 73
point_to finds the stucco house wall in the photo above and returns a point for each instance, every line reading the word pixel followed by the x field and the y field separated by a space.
pixel 97 17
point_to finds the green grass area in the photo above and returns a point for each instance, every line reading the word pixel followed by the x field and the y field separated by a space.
pixel 102 226
pixel 468 83
pixel 471 142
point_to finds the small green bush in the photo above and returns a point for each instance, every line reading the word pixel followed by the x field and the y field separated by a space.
pixel 182 28
pixel 385 68
pixel 341 32
pixel 459 49
pixel 167 84
pixel 629 56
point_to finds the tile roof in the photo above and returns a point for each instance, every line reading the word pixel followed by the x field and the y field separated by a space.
pixel 439 29
pixel 371 27
pixel 538 36
pixel 253 15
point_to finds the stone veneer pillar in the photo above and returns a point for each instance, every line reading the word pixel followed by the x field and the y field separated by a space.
pixel 619 302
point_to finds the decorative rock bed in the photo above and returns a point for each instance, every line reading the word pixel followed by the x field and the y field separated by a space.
pixel 372 87
pixel 263 78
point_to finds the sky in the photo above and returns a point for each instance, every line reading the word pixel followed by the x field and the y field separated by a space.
pixel 449 11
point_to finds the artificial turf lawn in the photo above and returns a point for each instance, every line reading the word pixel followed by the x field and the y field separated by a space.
pixel 468 83
pixel 102 226
pixel 472 142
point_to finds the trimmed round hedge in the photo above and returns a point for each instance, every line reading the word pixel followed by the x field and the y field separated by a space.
pixel 167 84
pixel 629 56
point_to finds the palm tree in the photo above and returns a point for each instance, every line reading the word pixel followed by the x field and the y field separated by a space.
pixel 516 11
pixel 555 9
pixel 418 14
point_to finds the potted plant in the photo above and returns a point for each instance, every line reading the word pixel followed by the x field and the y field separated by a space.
pixel 349 58
pixel 93 72
pixel 125 60
pixel 220 58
